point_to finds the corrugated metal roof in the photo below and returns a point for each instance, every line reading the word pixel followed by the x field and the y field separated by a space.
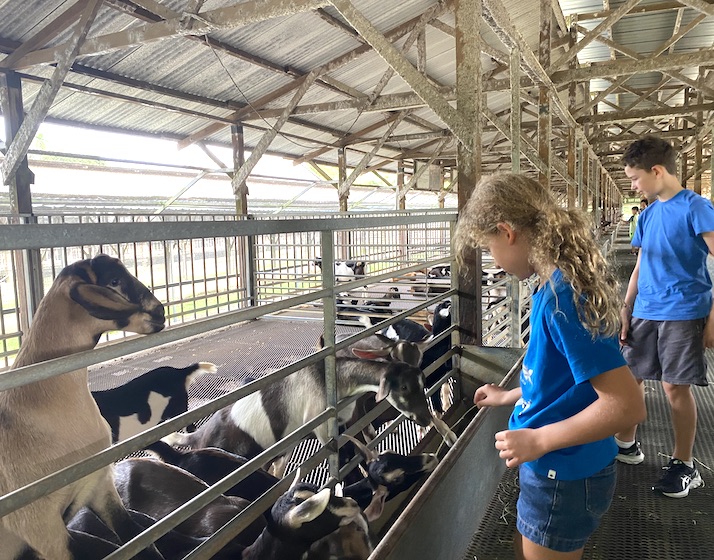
pixel 177 86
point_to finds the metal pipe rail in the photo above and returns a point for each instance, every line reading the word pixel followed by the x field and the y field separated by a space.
pixel 39 236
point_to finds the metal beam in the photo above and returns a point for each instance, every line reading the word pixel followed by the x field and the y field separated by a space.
pixel 18 148
pixel 228 17
pixel 624 116
pixel 619 67
pixel 46 34
pixel 604 25
pixel 421 86
pixel 240 177
pixel 346 140
pixel 700 6
pixel 496 15
pixel 344 186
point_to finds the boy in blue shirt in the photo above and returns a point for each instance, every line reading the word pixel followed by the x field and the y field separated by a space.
pixel 668 306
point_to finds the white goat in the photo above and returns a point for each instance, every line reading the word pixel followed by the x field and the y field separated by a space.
pixel 54 423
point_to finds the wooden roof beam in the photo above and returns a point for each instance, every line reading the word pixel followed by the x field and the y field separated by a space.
pixel 344 187
pixel 17 150
pixel 649 64
pixel 419 83
pixel 46 34
pixel 242 174
pixel 603 26
pixel 625 116
pixel 361 99
pixel 228 17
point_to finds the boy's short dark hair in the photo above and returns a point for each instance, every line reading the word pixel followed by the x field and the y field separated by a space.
pixel 650 151
pixel 637 208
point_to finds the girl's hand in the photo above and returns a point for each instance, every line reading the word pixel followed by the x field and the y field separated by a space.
pixel 519 446
pixel 490 395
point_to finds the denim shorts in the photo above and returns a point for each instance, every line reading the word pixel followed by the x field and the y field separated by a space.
pixel 670 351
pixel 562 514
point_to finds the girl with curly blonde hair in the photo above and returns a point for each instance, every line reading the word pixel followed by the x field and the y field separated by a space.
pixel 575 390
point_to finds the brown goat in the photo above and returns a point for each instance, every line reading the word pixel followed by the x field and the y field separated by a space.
pixel 51 424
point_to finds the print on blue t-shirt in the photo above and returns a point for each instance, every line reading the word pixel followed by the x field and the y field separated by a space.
pixel 673 283
pixel 561 359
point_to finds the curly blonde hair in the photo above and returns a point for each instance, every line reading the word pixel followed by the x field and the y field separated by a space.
pixel 557 236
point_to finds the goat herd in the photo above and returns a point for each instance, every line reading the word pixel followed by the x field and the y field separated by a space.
pixel 51 424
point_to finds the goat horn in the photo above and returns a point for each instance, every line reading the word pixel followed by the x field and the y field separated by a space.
pixel 297 477
pixel 369 454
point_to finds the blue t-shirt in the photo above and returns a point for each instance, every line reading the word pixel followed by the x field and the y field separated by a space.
pixel 561 359
pixel 673 283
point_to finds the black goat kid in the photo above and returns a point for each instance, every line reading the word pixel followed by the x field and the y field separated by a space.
pixel 148 400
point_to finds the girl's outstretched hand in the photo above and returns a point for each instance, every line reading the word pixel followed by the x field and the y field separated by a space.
pixel 490 395
pixel 519 446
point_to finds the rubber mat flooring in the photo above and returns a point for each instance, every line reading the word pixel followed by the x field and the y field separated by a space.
pixel 640 525
pixel 246 350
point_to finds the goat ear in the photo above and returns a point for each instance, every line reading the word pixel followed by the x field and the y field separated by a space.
pixel 309 509
pixel 371 354
pixel 376 506
pixel 383 391
pixel 101 302
pixel 424 342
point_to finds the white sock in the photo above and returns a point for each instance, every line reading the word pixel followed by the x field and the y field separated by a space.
pixel 690 464
pixel 624 444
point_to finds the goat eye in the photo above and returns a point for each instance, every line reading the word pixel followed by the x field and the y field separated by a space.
pixel 114 282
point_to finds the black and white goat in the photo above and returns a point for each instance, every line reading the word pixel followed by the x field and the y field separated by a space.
pixel 345 270
pixel 441 322
pixel 149 399
pixel 257 421
pixel 54 423
pixel 299 518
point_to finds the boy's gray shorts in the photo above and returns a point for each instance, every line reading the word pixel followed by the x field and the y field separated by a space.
pixel 670 351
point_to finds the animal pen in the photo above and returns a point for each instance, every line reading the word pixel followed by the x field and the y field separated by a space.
pixel 224 278
pixel 421 96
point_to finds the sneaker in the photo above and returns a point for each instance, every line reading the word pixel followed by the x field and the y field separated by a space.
pixel 630 455
pixel 678 480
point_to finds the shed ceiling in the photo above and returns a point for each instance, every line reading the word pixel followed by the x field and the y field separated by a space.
pixel 186 69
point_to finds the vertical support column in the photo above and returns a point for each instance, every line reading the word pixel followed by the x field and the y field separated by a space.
pixel 240 190
pixel 515 284
pixel 401 205
pixel 246 254
pixel 572 132
pixel 343 195
pixel 711 164
pixel 544 115
pixel 515 75
pixel 586 176
pixel 28 263
pixel 468 305
pixel 329 315
pixel 580 163
pixel 342 178
pixel 699 145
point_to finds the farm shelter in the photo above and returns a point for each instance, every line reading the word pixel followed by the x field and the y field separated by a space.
pixel 419 94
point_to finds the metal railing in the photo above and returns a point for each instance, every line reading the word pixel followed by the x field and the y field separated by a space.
pixel 268 262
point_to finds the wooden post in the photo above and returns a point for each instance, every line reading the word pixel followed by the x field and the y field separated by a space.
pixel 468 98
pixel 28 263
